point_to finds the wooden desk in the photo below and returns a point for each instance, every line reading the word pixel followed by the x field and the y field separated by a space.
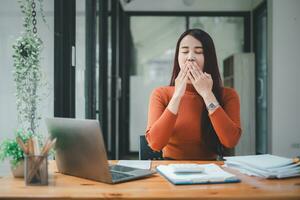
pixel 156 187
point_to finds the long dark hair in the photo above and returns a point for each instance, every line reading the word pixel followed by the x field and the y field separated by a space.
pixel 209 136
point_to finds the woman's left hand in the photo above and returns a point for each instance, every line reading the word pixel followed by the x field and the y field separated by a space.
pixel 202 82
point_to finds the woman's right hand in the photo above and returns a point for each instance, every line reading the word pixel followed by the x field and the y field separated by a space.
pixel 180 86
pixel 181 81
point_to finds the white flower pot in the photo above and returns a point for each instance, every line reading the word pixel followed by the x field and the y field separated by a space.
pixel 18 171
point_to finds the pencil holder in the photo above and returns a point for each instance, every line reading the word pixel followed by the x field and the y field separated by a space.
pixel 36 170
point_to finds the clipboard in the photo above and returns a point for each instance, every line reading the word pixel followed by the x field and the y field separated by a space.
pixel 212 174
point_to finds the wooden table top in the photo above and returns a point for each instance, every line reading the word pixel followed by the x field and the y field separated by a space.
pixel 155 187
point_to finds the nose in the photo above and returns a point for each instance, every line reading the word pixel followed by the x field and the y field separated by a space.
pixel 191 58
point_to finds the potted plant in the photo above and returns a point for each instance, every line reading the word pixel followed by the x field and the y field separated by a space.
pixel 9 149
pixel 28 77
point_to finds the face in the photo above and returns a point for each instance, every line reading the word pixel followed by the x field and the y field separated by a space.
pixel 190 50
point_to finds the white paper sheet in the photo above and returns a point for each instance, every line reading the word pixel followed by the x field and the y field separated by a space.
pixel 142 164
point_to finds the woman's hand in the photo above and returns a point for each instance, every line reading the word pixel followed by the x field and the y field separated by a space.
pixel 202 82
pixel 180 82
pixel 180 86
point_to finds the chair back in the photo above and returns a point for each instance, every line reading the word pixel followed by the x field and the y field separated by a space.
pixel 146 153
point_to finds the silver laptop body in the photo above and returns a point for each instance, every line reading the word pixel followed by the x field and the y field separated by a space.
pixel 80 151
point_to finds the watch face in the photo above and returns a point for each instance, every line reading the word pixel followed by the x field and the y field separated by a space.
pixel 211 106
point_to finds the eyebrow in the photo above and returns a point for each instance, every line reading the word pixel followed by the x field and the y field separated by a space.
pixel 186 47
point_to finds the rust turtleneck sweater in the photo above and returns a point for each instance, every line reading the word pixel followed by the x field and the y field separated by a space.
pixel 179 136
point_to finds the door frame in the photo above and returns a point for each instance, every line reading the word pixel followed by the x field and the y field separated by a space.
pixel 64 58
pixel 124 142
pixel 257 13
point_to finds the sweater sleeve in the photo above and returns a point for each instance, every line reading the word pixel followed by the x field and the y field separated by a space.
pixel 160 121
pixel 226 119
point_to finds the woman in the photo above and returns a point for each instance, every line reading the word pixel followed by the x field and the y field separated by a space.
pixel 195 116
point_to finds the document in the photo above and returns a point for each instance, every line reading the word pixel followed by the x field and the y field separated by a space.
pixel 265 165
pixel 142 164
pixel 211 173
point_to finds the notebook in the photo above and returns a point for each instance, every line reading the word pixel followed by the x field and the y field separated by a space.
pixel 211 173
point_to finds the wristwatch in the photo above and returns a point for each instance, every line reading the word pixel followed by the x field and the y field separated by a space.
pixel 212 106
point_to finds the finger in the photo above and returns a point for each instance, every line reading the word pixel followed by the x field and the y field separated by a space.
pixel 195 76
pixel 184 72
pixel 197 65
pixel 183 75
pixel 202 74
pixel 198 71
pixel 191 77
pixel 207 75
pixel 190 69
pixel 181 72
pixel 186 76
pixel 195 72
pixel 194 66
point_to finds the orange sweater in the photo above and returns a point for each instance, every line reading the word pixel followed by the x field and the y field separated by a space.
pixel 179 136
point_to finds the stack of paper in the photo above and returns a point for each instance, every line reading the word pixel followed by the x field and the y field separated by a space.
pixel 266 165
pixel 211 173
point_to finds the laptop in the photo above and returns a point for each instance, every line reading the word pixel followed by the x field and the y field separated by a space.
pixel 80 151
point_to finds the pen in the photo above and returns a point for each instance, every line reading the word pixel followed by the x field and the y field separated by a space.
pixel 22 145
pixel 296 159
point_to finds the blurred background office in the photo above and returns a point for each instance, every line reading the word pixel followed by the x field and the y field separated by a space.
pixel 103 58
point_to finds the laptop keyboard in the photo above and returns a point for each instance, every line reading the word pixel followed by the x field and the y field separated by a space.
pixel 117 175
pixel 117 171
pixel 121 168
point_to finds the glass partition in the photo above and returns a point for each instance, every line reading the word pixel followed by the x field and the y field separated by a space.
pixel 226 32
pixel 154 48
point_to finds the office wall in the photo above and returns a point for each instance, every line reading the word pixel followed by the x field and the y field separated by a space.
pixel 10 29
pixel 284 61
